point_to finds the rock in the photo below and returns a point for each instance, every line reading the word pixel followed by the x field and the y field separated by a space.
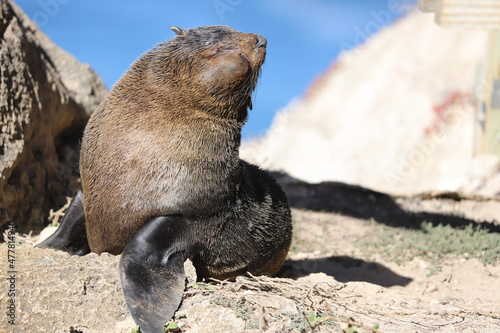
pixel 483 176
pixel 46 97
pixel 46 233
pixel 229 312
pixel 190 272
pixel 395 114
pixel 317 278
pixel 55 291
pixel 209 317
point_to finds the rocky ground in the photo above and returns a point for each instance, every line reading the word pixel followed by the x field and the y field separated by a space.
pixel 361 261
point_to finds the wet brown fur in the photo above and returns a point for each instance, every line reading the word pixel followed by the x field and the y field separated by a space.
pixel 166 142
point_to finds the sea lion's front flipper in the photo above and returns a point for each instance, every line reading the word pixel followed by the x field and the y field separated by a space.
pixel 71 235
pixel 152 272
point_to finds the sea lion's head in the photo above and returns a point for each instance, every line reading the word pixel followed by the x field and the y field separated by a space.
pixel 214 69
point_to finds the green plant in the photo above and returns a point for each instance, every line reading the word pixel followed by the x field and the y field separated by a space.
pixel 314 320
pixel 435 242
pixel 170 326
pixel 243 309
pixel 202 285
pixel 297 322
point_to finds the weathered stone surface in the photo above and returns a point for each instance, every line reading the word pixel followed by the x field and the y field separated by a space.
pixel 395 114
pixel 210 317
pixel 73 288
pixel 46 97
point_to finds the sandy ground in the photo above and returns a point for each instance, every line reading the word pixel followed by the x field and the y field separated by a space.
pixel 330 277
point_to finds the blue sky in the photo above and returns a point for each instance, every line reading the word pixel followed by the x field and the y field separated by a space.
pixel 304 37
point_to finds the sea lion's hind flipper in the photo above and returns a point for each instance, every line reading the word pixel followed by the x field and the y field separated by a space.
pixel 152 272
pixel 71 235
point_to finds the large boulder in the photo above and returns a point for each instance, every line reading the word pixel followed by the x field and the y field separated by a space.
pixel 395 114
pixel 46 97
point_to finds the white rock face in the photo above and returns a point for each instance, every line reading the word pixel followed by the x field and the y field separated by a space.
pixel 395 115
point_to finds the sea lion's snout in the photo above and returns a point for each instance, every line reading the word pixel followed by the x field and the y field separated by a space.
pixel 261 42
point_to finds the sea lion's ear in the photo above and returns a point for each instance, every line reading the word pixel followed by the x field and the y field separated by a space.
pixel 178 31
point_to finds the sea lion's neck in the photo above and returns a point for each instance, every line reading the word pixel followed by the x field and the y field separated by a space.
pixel 184 96
pixel 200 139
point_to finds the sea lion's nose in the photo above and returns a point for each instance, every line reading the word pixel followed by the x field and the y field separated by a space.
pixel 261 41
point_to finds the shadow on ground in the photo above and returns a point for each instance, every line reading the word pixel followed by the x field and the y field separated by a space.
pixel 363 203
pixel 344 269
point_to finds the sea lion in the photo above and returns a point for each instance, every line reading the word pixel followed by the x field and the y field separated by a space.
pixel 162 180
